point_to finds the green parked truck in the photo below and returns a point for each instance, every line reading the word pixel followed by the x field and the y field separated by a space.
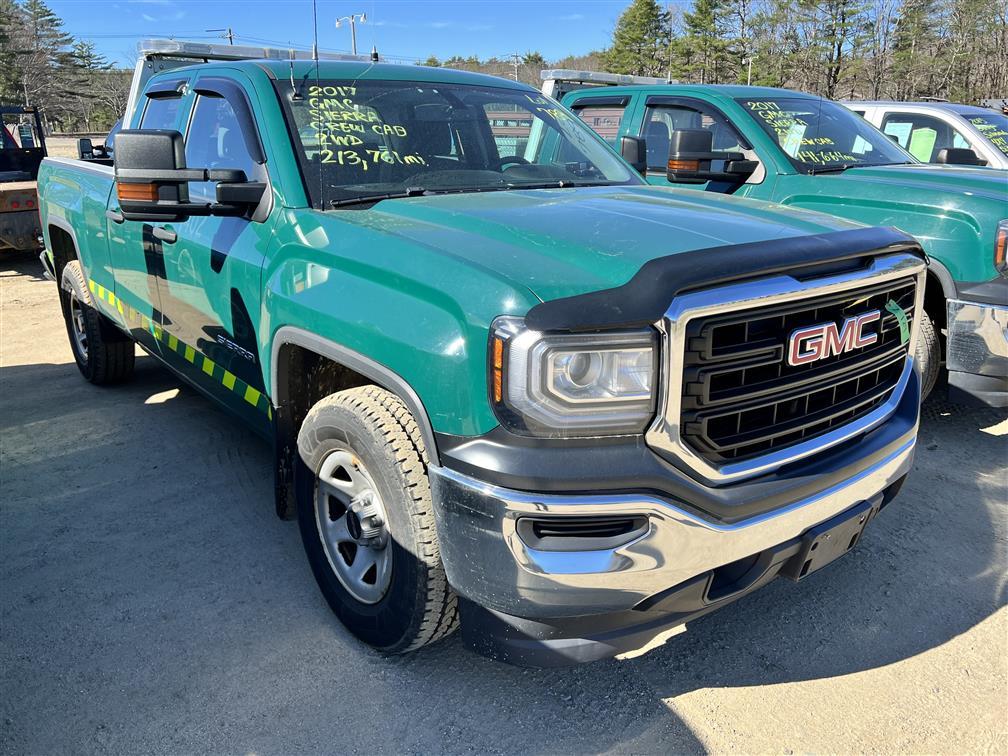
pixel 799 150
pixel 508 384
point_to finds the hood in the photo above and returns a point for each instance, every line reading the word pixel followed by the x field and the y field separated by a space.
pixel 926 180
pixel 562 242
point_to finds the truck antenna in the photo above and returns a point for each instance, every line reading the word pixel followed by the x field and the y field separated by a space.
pixel 295 92
pixel 314 47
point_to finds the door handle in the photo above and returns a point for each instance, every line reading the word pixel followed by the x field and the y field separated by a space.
pixel 115 216
pixel 164 234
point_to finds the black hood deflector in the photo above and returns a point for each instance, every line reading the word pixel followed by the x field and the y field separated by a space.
pixel 643 299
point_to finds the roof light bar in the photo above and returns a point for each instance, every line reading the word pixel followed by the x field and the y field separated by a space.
pixel 598 77
pixel 176 48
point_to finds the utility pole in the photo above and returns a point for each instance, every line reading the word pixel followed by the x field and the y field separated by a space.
pixel 228 34
pixel 749 76
pixel 515 57
pixel 668 12
pixel 362 17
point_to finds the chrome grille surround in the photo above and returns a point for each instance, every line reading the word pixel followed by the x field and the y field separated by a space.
pixel 665 436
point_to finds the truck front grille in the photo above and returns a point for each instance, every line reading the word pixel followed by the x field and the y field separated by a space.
pixel 740 396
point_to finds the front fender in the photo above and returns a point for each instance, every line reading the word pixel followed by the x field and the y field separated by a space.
pixel 413 313
pixel 955 229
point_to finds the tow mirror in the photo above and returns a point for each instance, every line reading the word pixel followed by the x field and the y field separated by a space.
pixel 958 156
pixel 691 155
pixel 634 151
pixel 88 150
pixel 152 180
pixel 85 149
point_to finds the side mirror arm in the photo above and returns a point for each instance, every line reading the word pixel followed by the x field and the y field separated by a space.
pixel 178 175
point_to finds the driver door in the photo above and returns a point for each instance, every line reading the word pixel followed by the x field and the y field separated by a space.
pixel 135 252
pixel 211 284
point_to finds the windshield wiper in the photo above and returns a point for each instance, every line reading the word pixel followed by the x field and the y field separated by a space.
pixel 832 169
pixel 419 191
pixel 559 184
pixel 410 191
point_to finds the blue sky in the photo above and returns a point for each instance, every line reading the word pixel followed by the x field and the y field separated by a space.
pixel 400 28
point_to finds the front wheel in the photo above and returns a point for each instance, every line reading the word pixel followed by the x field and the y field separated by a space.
pixel 928 355
pixel 367 521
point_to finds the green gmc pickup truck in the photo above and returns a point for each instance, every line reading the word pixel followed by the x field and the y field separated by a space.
pixel 509 385
pixel 802 151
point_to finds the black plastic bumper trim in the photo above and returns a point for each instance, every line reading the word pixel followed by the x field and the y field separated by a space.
pixel 992 292
pixel 978 390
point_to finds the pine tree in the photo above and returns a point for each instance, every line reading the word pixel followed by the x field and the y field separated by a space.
pixel 87 58
pixel 10 69
pixel 837 34
pixel 709 49
pixel 39 61
pixel 640 40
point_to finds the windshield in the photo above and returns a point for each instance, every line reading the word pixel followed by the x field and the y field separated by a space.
pixel 364 139
pixel 821 135
pixel 993 126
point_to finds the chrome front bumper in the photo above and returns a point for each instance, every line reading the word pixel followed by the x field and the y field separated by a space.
pixel 977 355
pixel 488 563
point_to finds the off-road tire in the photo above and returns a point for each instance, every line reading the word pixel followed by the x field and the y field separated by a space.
pixel 109 354
pixel 375 426
pixel 928 355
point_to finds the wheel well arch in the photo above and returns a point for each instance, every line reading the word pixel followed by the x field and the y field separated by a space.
pixel 938 288
pixel 63 246
pixel 306 368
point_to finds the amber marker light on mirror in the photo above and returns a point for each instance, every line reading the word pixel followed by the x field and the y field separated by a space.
pixel 137 192
pixel 684 165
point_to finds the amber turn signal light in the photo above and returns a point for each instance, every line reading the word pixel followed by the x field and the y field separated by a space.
pixel 684 165
pixel 498 369
pixel 137 192
pixel 1001 248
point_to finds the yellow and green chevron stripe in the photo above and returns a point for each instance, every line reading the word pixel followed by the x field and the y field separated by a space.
pixel 197 359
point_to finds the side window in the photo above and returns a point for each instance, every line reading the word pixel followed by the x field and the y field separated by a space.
pixel 920 135
pixel 161 113
pixel 215 140
pixel 661 120
pixel 604 120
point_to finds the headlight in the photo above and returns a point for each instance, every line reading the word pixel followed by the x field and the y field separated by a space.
pixel 571 384
pixel 1001 248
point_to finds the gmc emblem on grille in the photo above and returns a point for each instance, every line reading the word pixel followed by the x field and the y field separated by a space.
pixel 825 340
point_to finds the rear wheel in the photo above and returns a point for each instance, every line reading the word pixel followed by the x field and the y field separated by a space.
pixel 103 353
pixel 928 355
pixel 367 521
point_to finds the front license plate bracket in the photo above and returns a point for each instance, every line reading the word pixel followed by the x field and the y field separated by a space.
pixel 830 540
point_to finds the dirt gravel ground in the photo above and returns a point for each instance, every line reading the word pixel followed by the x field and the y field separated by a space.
pixel 152 602
pixel 62 146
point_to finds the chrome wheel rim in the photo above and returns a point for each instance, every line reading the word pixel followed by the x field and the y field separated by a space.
pixel 77 324
pixel 352 526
